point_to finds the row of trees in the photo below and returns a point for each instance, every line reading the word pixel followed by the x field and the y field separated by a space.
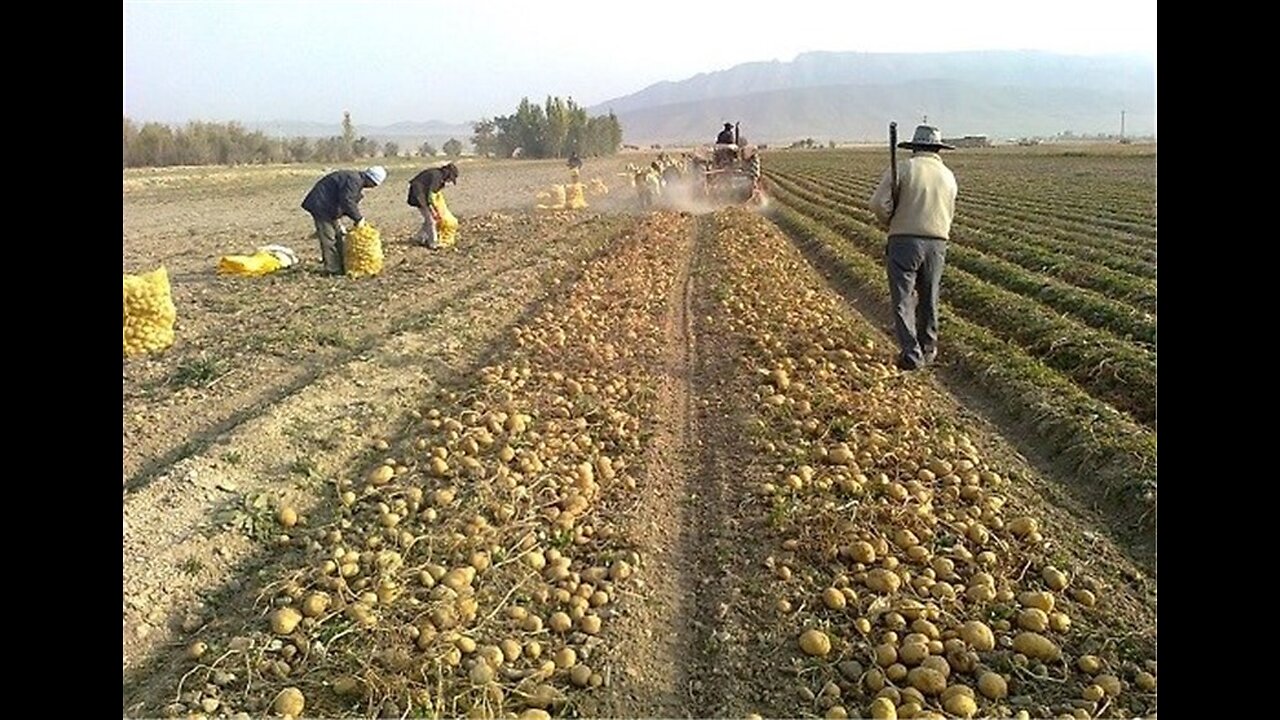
pixel 559 129
pixel 203 143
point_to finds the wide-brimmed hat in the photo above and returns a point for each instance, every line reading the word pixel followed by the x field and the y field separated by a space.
pixel 927 137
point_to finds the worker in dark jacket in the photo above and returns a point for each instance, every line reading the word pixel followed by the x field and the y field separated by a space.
pixel 336 195
pixel 726 135
pixel 422 190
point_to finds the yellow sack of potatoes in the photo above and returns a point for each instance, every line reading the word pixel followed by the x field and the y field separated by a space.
pixel 555 198
pixel 267 259
pixel 575 196
pixel 362 252
pixel 149 312
pixel 447 225
pixel 259 263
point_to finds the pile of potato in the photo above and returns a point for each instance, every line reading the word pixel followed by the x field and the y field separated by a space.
pixel 553 198
pixel 149 312
pixel 363 251
pixel 913 577
pixel 469 570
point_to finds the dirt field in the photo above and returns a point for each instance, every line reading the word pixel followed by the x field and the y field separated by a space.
pixel 629 460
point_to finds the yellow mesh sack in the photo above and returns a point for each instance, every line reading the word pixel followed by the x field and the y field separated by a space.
pixel 259 263
pixel 362 253
pixel 447 226
pixel 149 312
pixel 575 196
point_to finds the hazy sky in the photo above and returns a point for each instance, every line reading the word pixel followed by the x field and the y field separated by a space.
pixel 458 61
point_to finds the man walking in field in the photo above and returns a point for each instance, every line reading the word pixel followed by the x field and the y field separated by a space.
pixel 918 213
pixel 337 194
pixel 423 189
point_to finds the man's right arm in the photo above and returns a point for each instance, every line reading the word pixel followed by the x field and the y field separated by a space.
pixel 882 199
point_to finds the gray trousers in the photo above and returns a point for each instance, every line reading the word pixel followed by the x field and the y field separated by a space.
pixel 427 233
pixel 332 240
pixel 914 265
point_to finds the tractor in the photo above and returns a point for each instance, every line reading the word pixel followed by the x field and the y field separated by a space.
pixel 731 172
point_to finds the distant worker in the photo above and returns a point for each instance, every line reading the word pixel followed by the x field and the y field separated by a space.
pixel 751 163
pixel 575 162
pixel 726 135
pixel 333 196
pixel 918 213
pixel 422 191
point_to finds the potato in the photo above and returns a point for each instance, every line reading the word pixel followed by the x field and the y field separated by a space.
pixel 883 581
pixel 1110 684
pixel 1035 645
pixel 1033 619
pixel 380 475
pixel 1084 596
pixel 815 642
pixel 913 653
pixel 289 702
pixel 980 593
pixel 874 680
pixel 565 658
pixel 861 551
pixel 1023 526
pixel 315 604
pixel 883 709
pixel 1041 599
pixel 961 705
pixel 834 599
pixel 1093 693
pixel 1054 578
pixel 481 673
pixel 910 709
pixel 580 675
pixel 926 628
pixel 1059 622
pixel 993 685
pixel 1089 664
pixel 927 680
pixel 1145 681
pixel 978 635
pixel 346 685
pixel 886 654
pixel 937 663
pixel 288 517
pixel 620 570
pixel 284 620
